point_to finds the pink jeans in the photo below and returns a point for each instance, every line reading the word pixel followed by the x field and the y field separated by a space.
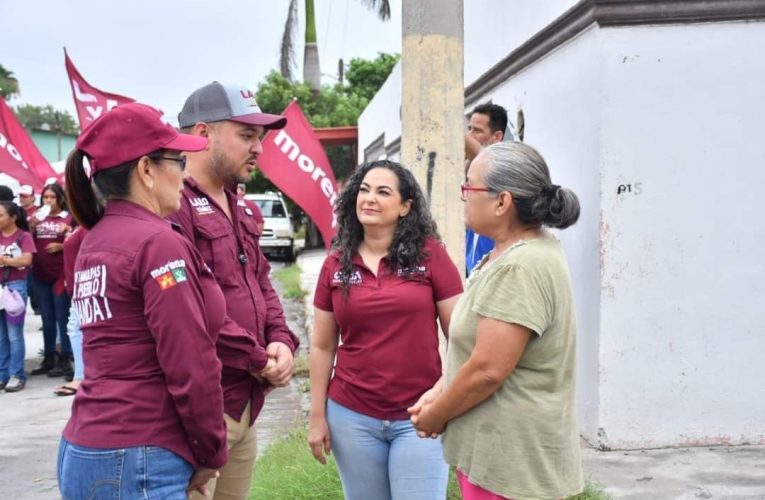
pixel 471 491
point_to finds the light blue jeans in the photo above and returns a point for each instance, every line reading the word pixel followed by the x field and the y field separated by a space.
pixel 75 338
pixel 12 346
pixel 143 472
pixel 384 459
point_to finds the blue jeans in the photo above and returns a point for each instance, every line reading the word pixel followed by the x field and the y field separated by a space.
pixel 12 347
pixel 384 459
pixel 54 309
pixel 75 338
pixel 143 472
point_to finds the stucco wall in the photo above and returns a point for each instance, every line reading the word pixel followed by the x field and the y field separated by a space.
pixel 668 269
pixel 683 272
pixel 560 100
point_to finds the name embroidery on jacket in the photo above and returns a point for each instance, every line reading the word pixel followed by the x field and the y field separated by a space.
pixel 202 205
pixel 89 297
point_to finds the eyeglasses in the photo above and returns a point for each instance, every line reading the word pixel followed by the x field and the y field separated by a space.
pixel 181 160
pixel 464 189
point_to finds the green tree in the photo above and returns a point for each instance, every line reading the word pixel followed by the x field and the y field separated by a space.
pixel 9 85
pixel 46 118
pixel 365 77
pixel 332 106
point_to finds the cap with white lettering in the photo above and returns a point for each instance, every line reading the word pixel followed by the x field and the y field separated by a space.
pixel 216 102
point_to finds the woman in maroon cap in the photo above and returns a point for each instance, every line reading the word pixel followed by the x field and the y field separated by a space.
pixel 148 418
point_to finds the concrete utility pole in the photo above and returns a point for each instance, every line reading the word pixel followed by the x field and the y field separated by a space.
pixel 432 106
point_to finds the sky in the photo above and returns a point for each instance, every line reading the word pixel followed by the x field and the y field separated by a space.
pixel 159 51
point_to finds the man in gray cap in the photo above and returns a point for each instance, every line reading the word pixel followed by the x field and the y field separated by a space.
pixel 255 345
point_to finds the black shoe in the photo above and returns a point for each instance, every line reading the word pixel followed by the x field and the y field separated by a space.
pixel 49 361
pixel 63 366
pixel 69 376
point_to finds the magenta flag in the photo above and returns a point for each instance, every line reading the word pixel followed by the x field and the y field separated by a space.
pixel 90 102
pixel 294 160
pixel 19 156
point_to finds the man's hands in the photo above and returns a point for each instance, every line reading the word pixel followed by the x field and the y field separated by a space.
pixel 278 370
pixel 199 481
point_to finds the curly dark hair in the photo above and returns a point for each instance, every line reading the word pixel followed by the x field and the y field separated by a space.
pixel 407 248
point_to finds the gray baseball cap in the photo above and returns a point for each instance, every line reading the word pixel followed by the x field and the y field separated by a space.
pixel 216 102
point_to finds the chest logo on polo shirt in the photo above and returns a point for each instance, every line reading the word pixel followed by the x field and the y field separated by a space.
pixel 89 297
pixel 337 278
pixel 410 271
pixel 170 274
pixel 202 205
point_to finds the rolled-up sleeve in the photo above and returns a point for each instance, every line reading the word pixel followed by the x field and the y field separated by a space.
pixel 174 309
pixel 276 329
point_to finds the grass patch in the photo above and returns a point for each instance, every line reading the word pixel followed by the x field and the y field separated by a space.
pixel 289 277
pixel 288 471
pixel 591 492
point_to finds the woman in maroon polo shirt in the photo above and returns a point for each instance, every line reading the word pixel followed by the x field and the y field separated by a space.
pixel 16 250
pixel 50 226
pixel 149 412
pixel 381 291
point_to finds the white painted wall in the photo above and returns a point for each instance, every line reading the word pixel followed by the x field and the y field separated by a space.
pixel 382 114
pixel 683 272
pixel 494 29
pixel 670 283
pixel 560 99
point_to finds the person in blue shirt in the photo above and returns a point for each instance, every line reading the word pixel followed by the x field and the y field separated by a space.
pixel 487 125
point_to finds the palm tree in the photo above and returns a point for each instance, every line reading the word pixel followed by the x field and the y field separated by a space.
pixel 311 68
pixel 9 85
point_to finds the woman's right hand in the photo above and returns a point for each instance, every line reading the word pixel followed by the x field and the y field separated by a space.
pixel 318 439
pixel 199 481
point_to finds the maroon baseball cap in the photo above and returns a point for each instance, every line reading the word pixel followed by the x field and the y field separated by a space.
pixel 128 132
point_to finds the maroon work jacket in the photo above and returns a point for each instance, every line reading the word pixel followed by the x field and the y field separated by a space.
pixel 150 311
pixel 255 317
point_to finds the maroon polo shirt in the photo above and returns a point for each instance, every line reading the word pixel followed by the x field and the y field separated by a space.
pixel 14 245
pixel 150 311
pixel 254 314
pixel 389 351
pixel 71 249
pixel 48 267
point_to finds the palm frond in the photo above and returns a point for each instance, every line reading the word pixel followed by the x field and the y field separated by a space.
pixel 287 49
pixel 382 7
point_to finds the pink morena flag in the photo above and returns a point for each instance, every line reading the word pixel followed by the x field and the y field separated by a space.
pixel 295 162
pixel 90 102
pixel 19 156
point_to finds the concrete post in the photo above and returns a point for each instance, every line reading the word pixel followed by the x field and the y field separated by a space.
pixel 433 101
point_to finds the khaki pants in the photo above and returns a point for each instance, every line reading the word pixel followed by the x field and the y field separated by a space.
pixel 236 475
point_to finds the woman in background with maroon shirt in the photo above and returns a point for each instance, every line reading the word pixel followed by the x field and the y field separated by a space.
pixel 382 289
pixel 49 231
pixel 16 250
pixel 147 420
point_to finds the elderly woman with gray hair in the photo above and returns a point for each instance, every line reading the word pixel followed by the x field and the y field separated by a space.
pixel 506 406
